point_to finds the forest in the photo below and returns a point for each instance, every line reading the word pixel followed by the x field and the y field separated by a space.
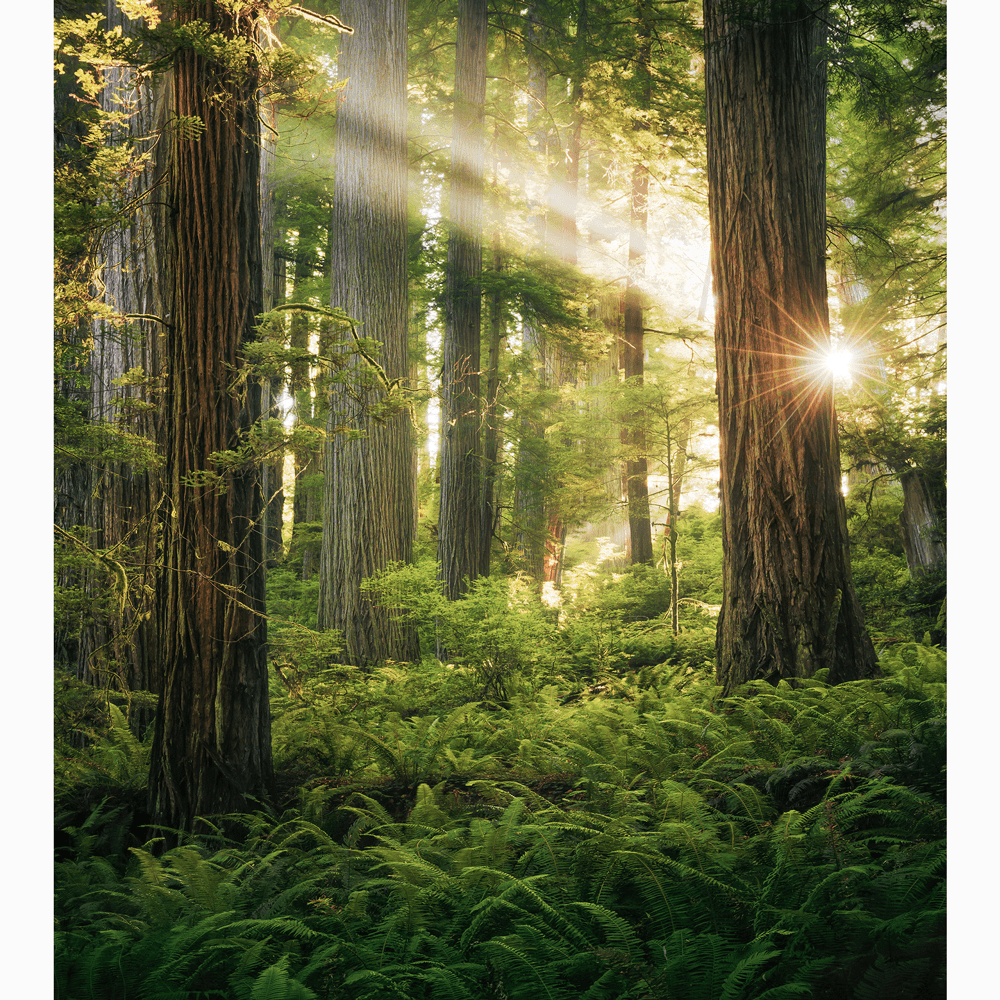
pixel 500 525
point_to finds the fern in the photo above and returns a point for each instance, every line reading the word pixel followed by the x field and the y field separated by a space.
pixel 626 845
pixel 114 758
pixel 274 983
pixel 737 984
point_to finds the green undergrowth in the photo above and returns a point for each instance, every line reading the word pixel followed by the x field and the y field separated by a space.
pixel 638 837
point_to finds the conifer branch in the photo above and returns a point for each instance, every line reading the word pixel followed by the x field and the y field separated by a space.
pixel 327 20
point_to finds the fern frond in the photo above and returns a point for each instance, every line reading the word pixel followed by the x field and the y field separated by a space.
pixel 390 758
pixel 747 969
pixel 274 983
pixel 375 985
pixel 523 976
pixel 617 933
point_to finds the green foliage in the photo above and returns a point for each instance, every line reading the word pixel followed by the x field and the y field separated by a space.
pixel 291 598
pixel 925 604
pixel 94 744
pixel 902 435
pixel 699 550
pixel 499 628
pixel 96 170
pixel 895 606
pixel 114 758
pixel 643 592
pixel 886 170
pixel 781 843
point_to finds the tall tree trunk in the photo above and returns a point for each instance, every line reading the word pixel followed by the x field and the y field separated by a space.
pixel 272 479
pixel 273 294
pixel 604 373
pixel 789 607
pixel 491 431
pixel 369 489
pixel 922 541
pixel 460 521
pixel 530 471
pixel 307 497
pixel 212 743
pixel 633 348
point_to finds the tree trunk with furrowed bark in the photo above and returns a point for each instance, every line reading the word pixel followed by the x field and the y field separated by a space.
pixel 789 607
pixel 460 526
pixel 212 745
pixel 369 495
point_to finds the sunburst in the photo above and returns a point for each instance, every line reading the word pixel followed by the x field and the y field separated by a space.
pixel 840 363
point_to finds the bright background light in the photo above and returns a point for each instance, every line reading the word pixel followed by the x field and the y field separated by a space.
pixel 839 362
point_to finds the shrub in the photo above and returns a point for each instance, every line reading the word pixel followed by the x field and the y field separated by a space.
pixel 499 627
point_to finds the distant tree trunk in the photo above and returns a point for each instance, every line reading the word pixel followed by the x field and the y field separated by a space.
pixel 922 541
pixel 272 480
pixel 679 446
pixel 303 271
pixel 117 500
pixel 789 607
pixel 706 289
pixel 212 743
pixel 369 490
pixel 676 462
pixel 306 460
pixel 564 232
pixel 491 430
pixel 310 483
pixel 538 125
pixel 73 478
pixel 530 467
pixel 312 401
pixel 605 374
pixel 529 470
pixel 312 508
pixel 562 238
pixel 460 521
pixel 633 348
pixel 273 293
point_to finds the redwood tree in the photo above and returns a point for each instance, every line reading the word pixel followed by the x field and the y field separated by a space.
pixel 789 607
pixel 460 549
pixel 633 351
pixel 532 466
pixel 212 743
pixel 369 490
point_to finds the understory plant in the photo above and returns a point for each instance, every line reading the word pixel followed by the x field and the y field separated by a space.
pixel 637 841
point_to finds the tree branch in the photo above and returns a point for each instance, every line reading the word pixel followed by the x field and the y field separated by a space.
pixel 327 20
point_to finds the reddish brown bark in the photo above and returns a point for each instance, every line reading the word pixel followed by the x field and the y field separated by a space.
pixel 789 607
pixel 460 525
pixel 212 744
